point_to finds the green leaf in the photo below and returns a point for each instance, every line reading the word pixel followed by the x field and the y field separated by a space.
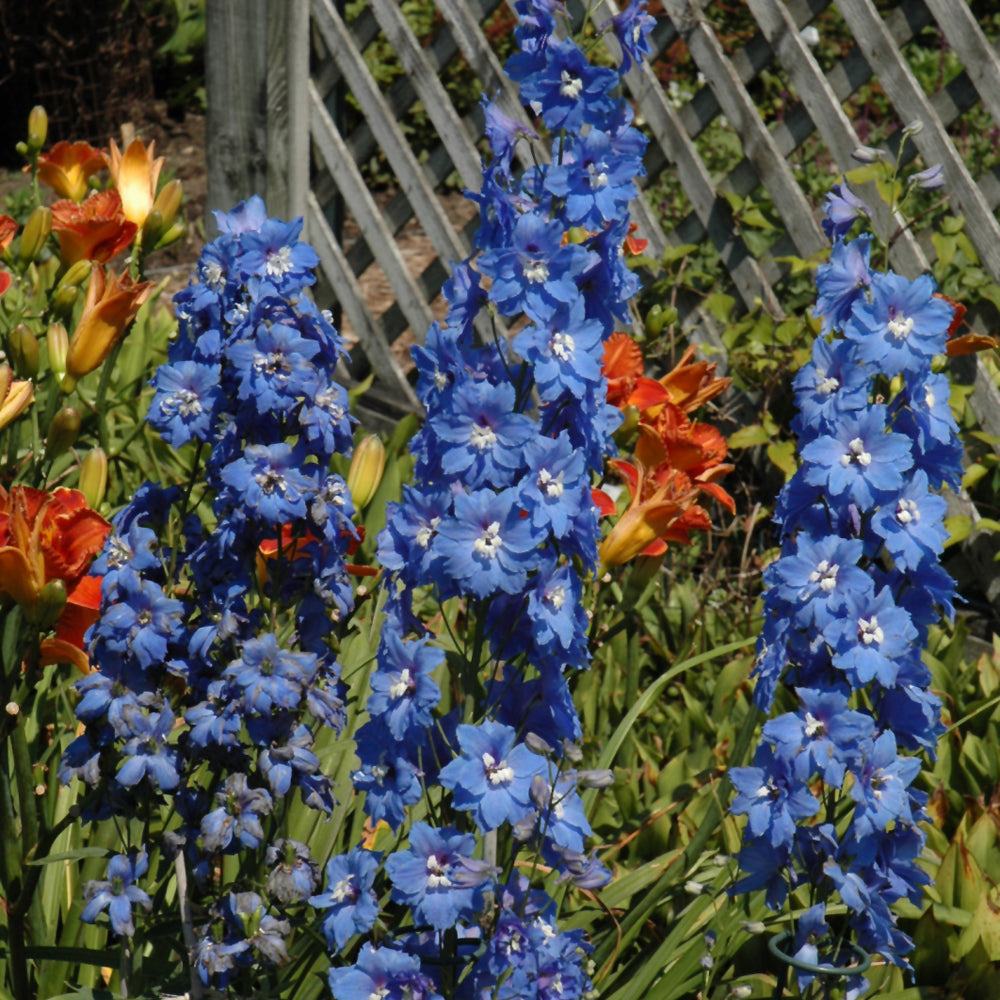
pixel 782 455
pixel 81 852
pixel 958 527
pixel 748 437
pixel 677 253
pixel 720 306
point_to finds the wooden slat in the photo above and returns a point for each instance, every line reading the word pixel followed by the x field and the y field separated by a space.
pixel 366 327
pixel 971 46
pixel 911 104
pixel 431 92
pixel 409 173
pixel 331 147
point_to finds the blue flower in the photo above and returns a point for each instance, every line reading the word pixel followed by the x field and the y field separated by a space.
pixel 487 545
pixel 118 894
pixel 842 209
pixel 268 482
pixel 403 691
pixel 350 901
pixel 382 972
pixel 492 777
pixel 632 27
pixel 437 877
pixel 269 676
pixel 843 281
pixel 183 407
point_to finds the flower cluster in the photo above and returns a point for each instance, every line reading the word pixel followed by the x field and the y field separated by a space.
pixel 676 460
pixel 501 516
pixel 215 641
pixel 829 799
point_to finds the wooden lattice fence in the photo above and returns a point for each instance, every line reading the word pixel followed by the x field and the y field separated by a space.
pixel 314 161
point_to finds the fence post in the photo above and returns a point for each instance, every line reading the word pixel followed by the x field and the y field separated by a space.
pixel 236 89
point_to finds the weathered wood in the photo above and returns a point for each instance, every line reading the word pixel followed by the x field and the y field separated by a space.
pixel 366 327
pixel 236 89
pixel 333 150
pixel 912 105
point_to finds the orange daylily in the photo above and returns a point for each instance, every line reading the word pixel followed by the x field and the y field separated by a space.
pixel 677 460
pixel 8 230
pixel 135 174
pixel 43 537
pixel 110 306
pixel 66 168
pixel 297 548
pixel 96 229
pixel 968 343
pixel 83 607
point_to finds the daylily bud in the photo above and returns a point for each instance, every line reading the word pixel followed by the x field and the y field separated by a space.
pixel 366 471
pixel 94 477
pixel 64 300
pixel 38 128
pixel 36 232
pixel 19 396
pixel 23 346
pixel 58 342
pixel 63 432
pixel 152 227
pixel 577 234
pixel 6 377
pixel 51 601
pixel 172 235
pixel 76 275
pixel 168 202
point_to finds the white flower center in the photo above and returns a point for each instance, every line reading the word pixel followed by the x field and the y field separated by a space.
pixel 556 596
pixel 826 385
pixel 825 574
pixel 536 271
pixel 570 86
pixel 598 178
pixel 856 453
pixel 482 437
pixel 900 327
pixel 344 889
pixel 869 632
pixel 215 277
pixel 562 346
pixel 426 532
pixel 814 727
pixel 437 874
pixel 907 512
pixel 498 774
pixel 551 486
pixel 279 262
pixel 269 481
pixel 929 398
pixel 402 685
pixel 489 542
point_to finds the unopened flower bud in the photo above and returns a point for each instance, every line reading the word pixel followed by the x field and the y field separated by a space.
pixel 741 992
pixel 64 300
pixel 572 751
pixel 12 708
pixel 76 275
pixel 36 232
pixel 577 234
pixel 810 35
pixel 536 744
pixel 168 203
pixel 51 601
pixel 930 179
pixel 152 229
pixel 94 476
pixel 172 235
pixel 38 128
pixel 23 347
pixel 18 397
pixel 596 779
pixel 753 926
pixel 693 887
pixel 63 432
pixel 57 340
pixel 6 378
pixel 366 471
pixel 868 154
pixel 914 128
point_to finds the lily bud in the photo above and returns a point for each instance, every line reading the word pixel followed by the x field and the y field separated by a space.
pixel 19 396
pixel 51 601
pixel 38 128
pixel 152 227
pixel 63 432
pixel 94 477
pixel 36 232
pixel 168 203
pixel 64 300
pixel 366 471
pixel 172 235
pixel 58 342
pixel 23 346
pixel 6 377
pixel 76 275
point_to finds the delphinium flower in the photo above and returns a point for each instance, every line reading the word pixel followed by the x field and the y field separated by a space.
pixel 849 603
pixel 216 643
pixel 464 754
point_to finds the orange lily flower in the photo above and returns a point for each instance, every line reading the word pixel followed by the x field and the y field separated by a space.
pixel 66 168
pixel 8 229
pixel 96 229
pixel 110 306
pixel 135 174
pixel 83 606
pixel 44 537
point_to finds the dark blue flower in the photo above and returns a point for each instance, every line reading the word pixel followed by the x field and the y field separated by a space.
pixel 118 894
